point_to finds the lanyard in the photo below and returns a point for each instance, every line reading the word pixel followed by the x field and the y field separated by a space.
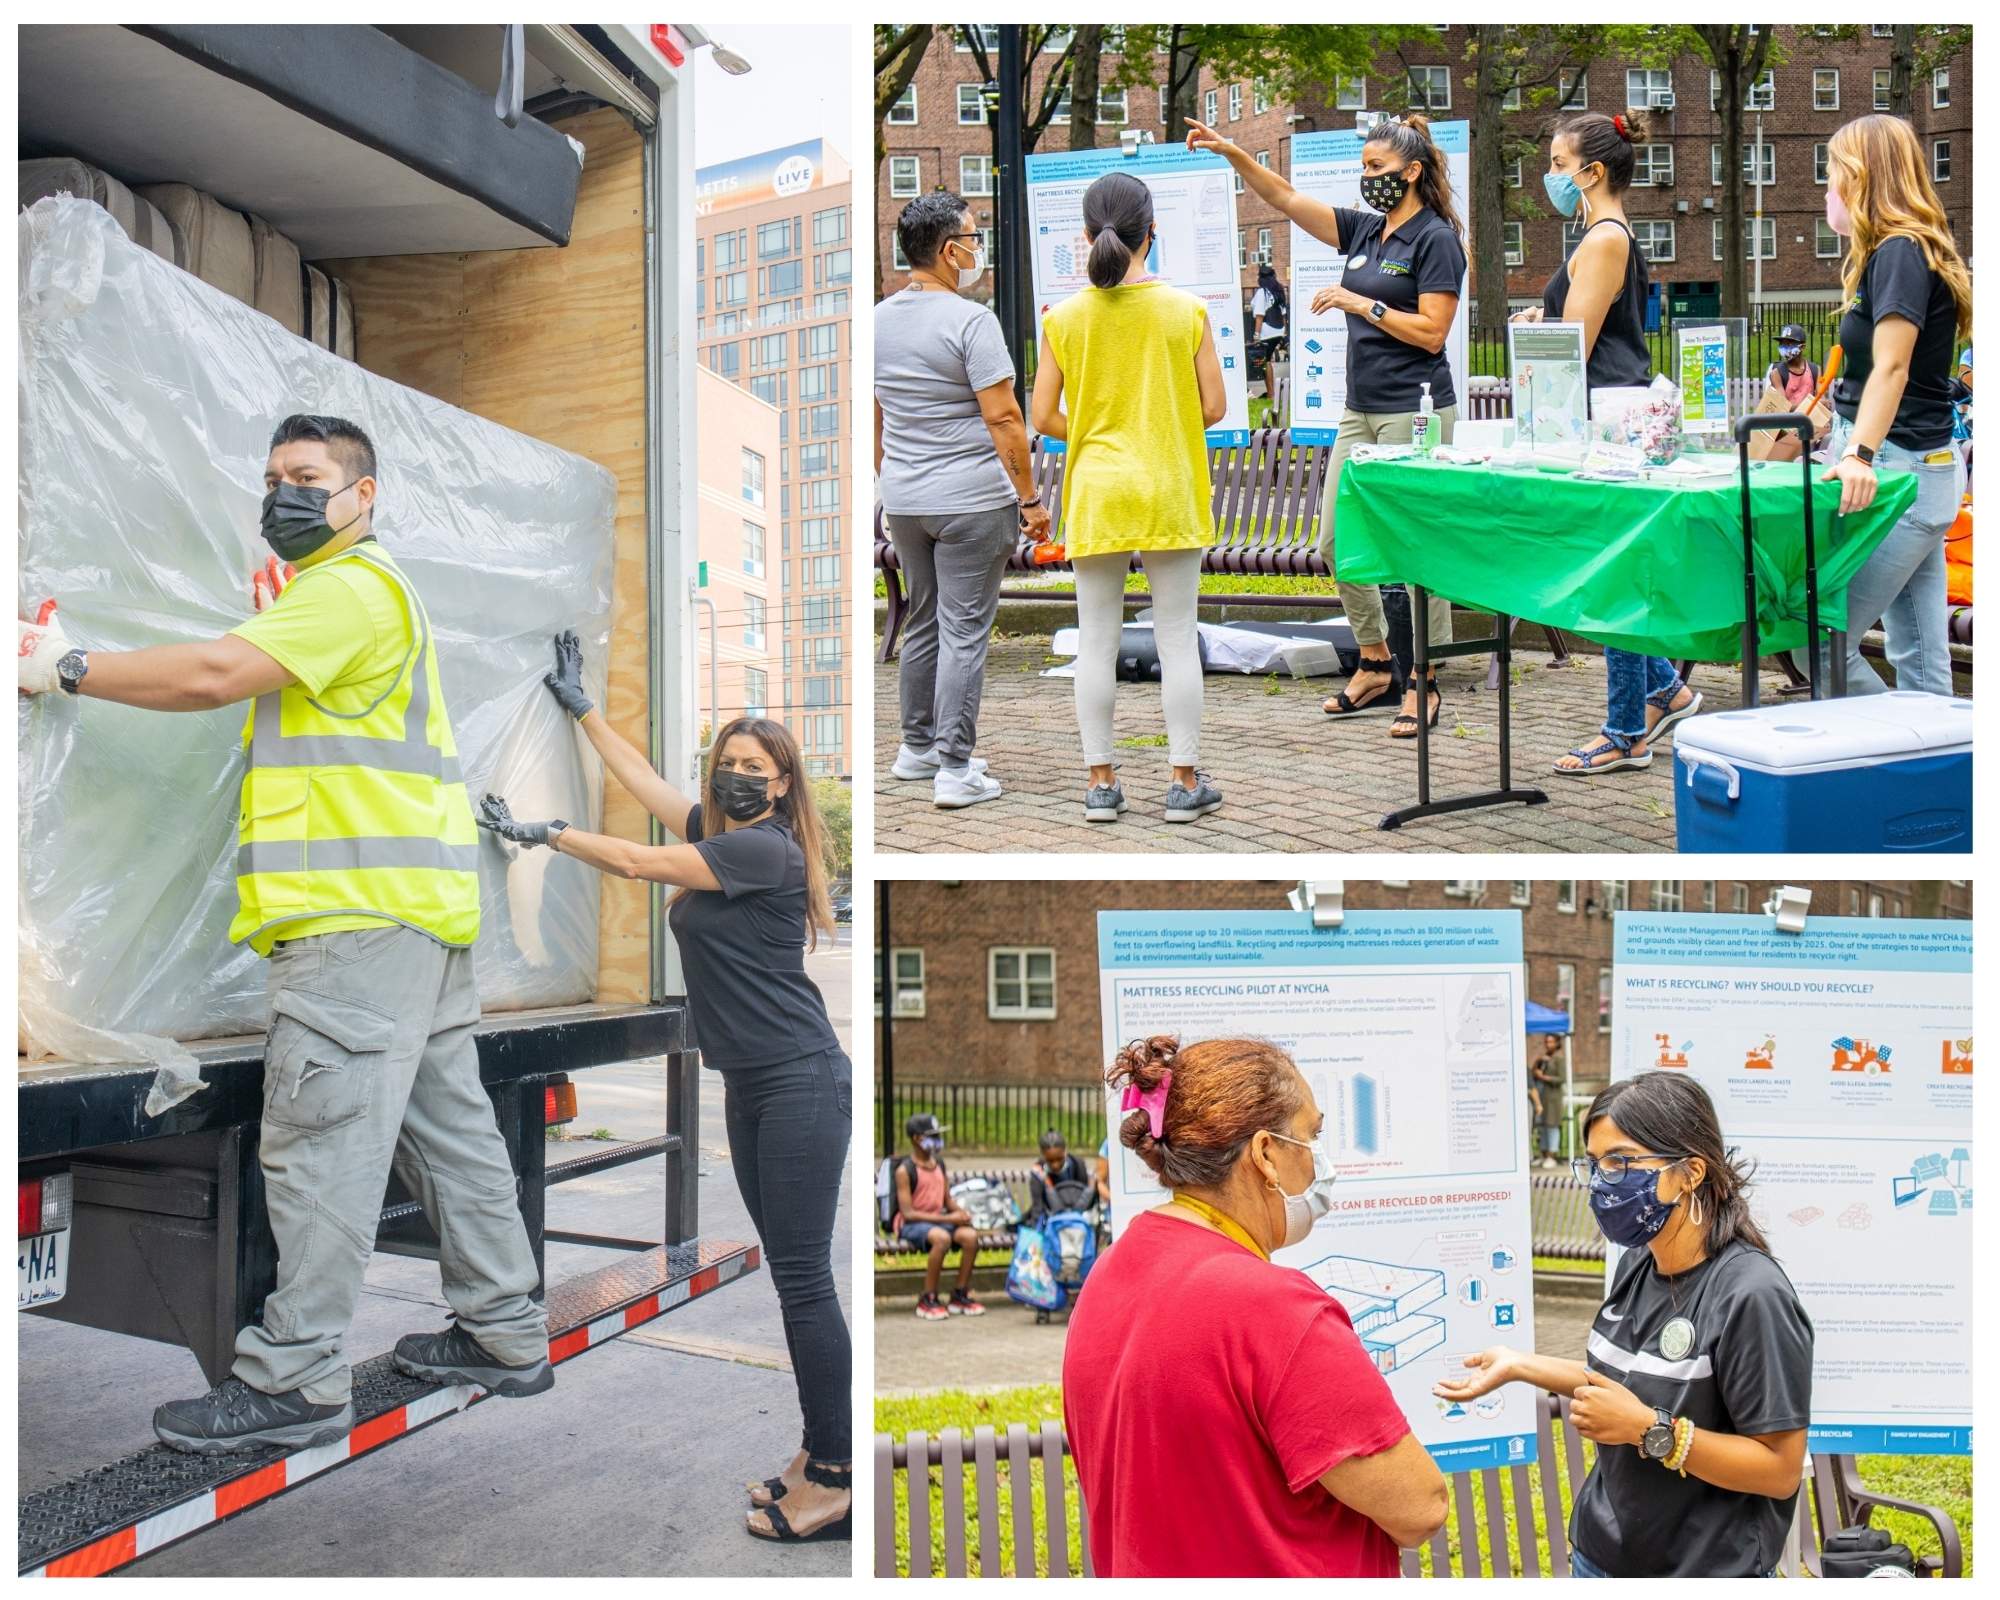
pixel 1228 1225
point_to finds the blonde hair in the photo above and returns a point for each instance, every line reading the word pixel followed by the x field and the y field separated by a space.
pixel 1878 166
pixel 795 806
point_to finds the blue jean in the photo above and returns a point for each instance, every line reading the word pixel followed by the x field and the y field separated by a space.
pixel 788 1131
pixel 1903 582
pixel 1633 682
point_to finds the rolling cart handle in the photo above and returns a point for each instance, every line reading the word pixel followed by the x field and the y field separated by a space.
pixel 1776 422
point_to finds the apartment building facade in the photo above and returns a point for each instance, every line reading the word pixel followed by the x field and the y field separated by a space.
pixel 774 270
pixel 736 442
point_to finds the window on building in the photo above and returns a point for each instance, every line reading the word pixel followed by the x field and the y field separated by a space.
pixel 778 238
pixel 1653 164
pixel 1111 107
pixel 826 733
pixel 822 494
pixel 1521 891
pixel 1236 102
pixel 975 175
pixel 903 109
pixel 1758 96
pixel 1573 91
pixel 822 572
pixel 1209 102
pixel 905 177
pixel 1573 232
pixel 1648 87
pixel 784 277
pixel 1656 239
pixel 1020 984
pixel 836 266
pixel 1264 256
pixel 1511 99
pixel 830 305
pixel 821 343
pixel 1854 902
pixel 989 37
pixel 819 533
pixel 1603 999
pixel 1667 894
pixel 1826 88
pixel 1819 165
pixel 818 383
pixel 1430 88
pixel 830 226
pixel 1260 96
pixel 729 249
pixel 1350 94
pixel 1708 895
pixel 815 459
pixel 1566 895
pixel 1617 894
pixel 1881 88
pixel 1510 236
pixel 1941 88
pixel 825 421
pixel 1059 117
pixel 753 549
pixel 753 477
pixel 753 622
pixel 822 692
pixel 1756 157
pixel 1237 185
pixel 897 258
pixel 1242 250
pixel 1739 897
pixel 1513 171
pixel 1826 243
pixel 767 351
pixel 770 388
pixel 906 986
pixel 1874 905
pixel 1165 104
pixel 1940 161
pixel 733 290
pixel 756 692
pixel 1566 990
pixel 972 104
pixel 1765 239
pixel 1263 158
pixel 723 359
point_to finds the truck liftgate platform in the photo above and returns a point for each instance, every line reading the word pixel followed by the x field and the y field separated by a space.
pixel 184 1192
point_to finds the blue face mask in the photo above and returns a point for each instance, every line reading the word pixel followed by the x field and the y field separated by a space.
pixel 1563 193
pixel 1630 1212
pixel 930 1144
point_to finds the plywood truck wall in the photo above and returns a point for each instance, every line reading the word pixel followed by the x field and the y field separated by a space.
pixel 552 343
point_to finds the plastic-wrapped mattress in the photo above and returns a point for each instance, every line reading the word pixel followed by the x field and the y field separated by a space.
pixel 144 223
pixel 329 312
pixel 147 403
pixel 219 251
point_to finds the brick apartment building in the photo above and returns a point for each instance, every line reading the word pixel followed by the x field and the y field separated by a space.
pixel 938 136
pixel 1000 983
pixel 774 267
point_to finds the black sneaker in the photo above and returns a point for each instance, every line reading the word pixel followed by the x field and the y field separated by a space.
pixel 233 1417
pixel 454 1356
pixel 963 1305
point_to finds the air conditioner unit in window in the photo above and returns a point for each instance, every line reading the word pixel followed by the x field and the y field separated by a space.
pixel 1464 888
pixel 910 1003
pixel 1662 100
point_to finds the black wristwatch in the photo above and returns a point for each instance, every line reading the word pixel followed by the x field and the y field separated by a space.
pixel 1657 1442
pixel 1377 311
pixel 1862 453
pixel 70 671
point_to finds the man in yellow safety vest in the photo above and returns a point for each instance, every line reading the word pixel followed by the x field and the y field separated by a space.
pixel 357 876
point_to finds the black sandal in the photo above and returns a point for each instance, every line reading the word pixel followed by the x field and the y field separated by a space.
pixel 842 1527
pixel 1409 718
pixel 1344 705
pixel 776 1488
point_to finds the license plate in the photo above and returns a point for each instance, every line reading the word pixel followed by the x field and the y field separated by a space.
pixel 44 1263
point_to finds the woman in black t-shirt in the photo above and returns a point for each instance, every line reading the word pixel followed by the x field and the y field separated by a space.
pixel 752 900
pixel 1603 286
pixel 1696 1385
pixel 1399 290
pixel 1909 297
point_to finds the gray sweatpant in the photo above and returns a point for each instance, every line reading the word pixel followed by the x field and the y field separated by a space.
pixel 1363 601
pixel 952 565
pixel 370 1061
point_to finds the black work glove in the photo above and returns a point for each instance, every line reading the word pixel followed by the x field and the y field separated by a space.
pixel 494 817
pixel 566 682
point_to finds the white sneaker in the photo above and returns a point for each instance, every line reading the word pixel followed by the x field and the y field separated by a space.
pixel 952 790
pixel 911 765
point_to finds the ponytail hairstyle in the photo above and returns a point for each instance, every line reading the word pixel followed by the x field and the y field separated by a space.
pixel 1878 166
pixel 1671 1113
pixel 1596 139
pixel 1118 215
pixel 1223 1091
pixel 1409 139
pixel 795 808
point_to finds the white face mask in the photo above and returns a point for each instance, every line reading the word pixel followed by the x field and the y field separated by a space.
pixel 968 276
pixel 1302 1210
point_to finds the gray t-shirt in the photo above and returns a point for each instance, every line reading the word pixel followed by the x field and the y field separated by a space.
pixel 933 351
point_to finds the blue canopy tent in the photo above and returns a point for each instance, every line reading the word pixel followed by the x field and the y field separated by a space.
pixel 1540 1019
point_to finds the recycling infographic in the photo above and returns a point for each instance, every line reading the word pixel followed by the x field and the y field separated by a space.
pixel 1408 1027
pixel 1840 1062
pixel 1327 166
pixel 1194 214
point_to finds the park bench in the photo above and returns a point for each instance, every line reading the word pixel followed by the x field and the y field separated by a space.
pixel 1532 1542
pixel 1014 1179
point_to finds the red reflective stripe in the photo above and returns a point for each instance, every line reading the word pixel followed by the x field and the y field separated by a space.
pixel 94 1560
pixel 377 1430
pixel 247 1490
pixel 644 1311
pixel 706 1279
pixel 575 1342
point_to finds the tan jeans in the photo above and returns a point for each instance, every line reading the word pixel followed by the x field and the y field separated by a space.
pixel 1363 601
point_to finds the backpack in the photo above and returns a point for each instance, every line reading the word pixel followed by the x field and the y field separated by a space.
pixel 988 1203
pixel 1030 1278
pixel 1072 1246
pixel 1863 1552
pixel 885 1190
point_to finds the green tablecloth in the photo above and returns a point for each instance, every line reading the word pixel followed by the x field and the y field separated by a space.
pixel 1653 566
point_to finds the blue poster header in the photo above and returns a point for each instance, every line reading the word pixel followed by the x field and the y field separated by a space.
pixel 1231 940
pixel 1828 944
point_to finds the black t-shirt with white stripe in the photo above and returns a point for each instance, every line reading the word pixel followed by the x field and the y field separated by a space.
pixel 1746 1369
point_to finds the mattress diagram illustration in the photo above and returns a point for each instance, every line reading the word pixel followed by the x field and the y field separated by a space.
pixel 1385 1303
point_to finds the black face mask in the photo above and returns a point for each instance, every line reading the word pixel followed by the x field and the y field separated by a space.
pixel 294 522
pixel 743 798
pixel 1385 190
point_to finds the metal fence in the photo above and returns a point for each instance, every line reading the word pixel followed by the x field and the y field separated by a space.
pixel 1002 1117
pixel 1486 344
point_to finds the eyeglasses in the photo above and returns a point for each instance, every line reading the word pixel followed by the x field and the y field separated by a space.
pixel 1612 1169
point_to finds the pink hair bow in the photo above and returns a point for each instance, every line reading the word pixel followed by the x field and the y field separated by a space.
pixel 1152 1101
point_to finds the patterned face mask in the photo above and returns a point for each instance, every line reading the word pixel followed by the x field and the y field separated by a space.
pixel 1385 190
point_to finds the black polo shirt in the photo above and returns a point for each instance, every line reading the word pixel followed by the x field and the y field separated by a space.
pixel 1898 282
pixel 1423 256
pixel 1743 1366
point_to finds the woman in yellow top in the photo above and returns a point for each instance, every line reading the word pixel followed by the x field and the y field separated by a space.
pixel 1137 359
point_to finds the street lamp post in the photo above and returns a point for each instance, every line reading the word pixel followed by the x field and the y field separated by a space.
pixel 1010 265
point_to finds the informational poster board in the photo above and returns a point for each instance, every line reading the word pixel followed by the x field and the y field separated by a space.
pixel 1327 166
pixel 1840 1061
pixel 1704 370
pixel 1408 1028
pixel 1194 210
pixel 1551 385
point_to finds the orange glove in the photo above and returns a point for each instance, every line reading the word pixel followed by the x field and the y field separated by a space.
pixel 269 581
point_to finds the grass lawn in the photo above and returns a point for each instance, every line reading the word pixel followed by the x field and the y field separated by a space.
pixel 1942 1481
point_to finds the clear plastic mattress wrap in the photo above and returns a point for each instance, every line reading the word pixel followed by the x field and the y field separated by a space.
pixel 147 404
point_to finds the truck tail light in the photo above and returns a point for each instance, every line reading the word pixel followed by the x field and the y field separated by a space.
pixel 668 42
pixel 558 1104
pixel 44 1204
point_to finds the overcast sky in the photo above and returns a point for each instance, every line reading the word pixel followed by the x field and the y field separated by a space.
pixel 800 86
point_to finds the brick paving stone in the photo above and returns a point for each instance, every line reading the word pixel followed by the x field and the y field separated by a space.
pixel 1293 779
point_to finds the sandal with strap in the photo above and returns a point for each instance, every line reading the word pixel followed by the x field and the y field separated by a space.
pixel 1405 725
pixel 842 1527
pixel 1345 705
pixel 1590 766
pixel 769 1491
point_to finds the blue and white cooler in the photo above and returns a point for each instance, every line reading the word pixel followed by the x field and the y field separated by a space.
pixel 1879 772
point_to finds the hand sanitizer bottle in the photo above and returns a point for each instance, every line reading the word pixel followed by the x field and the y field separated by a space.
pixel 1423 426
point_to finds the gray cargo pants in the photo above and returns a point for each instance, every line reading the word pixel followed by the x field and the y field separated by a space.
pixel 370 1061
pixel 952 566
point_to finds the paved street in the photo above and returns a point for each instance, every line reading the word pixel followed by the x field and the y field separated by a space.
pixel 634 1464
pixel 1293 779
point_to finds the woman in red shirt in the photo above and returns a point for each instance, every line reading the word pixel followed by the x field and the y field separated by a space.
pixel 1224 1417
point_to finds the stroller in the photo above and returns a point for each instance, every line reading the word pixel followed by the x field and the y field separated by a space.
pixel 1052 1257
